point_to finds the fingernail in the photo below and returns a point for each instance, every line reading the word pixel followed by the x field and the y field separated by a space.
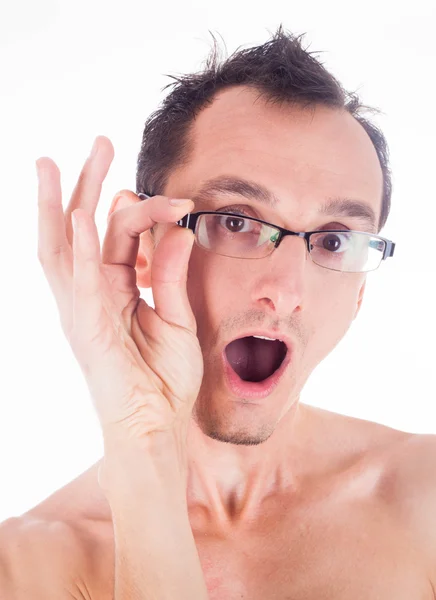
pixel 38 168
pixel 178 201
pixel 94 149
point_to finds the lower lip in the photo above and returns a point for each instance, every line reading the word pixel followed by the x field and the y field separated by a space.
pixel 250 389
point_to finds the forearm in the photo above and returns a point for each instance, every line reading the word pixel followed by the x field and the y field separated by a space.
pixel 155 553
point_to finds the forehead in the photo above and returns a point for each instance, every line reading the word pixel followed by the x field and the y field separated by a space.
pixel 303 156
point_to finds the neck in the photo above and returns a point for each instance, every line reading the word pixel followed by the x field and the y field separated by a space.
pixel 231 482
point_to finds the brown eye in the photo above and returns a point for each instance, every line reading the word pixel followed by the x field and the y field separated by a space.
pixel 233 224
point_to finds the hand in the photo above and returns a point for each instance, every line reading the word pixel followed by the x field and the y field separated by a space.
pixel 143 366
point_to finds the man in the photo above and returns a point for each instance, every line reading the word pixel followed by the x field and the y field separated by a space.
pixel 217 482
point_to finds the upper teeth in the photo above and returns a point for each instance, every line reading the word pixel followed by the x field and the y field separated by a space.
pixel 261 337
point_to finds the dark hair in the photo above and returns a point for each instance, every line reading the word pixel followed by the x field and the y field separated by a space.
pixel 281 70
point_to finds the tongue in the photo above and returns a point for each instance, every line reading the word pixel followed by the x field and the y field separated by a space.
pixel 254 359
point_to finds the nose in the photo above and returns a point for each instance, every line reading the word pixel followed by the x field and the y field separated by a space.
pixel 279 278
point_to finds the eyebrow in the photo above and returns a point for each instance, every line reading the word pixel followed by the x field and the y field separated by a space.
pixel 333 207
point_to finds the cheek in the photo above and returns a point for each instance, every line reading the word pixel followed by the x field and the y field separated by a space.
pixel 332 312
pixel 213 288
pixel 203 284
pixel 211 275
pixel 213 300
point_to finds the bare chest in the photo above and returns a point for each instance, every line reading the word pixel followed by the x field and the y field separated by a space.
pixel 332 556
pixel 356 552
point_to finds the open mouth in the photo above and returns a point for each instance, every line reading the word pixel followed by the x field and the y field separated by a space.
pixel 254 367
pixel 255 359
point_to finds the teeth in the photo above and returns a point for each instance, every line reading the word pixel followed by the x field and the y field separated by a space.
pixel 261 337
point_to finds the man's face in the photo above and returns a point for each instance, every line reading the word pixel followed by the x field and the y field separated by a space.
pixel 303 157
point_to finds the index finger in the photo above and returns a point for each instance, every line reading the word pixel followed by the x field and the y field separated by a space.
pixel 121 242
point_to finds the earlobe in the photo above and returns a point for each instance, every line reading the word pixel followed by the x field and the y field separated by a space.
pixel 143 262
pixel 122 199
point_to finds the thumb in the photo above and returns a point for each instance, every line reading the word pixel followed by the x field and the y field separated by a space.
pixel 169 274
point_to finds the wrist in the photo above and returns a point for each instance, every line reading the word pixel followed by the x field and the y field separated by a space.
pixel 132 465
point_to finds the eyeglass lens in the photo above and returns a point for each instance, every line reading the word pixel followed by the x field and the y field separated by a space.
pixel 241 237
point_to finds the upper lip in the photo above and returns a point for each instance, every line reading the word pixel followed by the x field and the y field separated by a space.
pixel 275 335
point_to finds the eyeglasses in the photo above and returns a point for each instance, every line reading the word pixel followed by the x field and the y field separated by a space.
pixel 236 236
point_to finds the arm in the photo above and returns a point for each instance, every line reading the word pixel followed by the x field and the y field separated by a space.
pixel 41 560
pixel 6 590
pixel 155 552
pixel 143 365
pixel 410 488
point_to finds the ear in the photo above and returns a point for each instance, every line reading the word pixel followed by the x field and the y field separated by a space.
pixel 123 199
pixel 359 301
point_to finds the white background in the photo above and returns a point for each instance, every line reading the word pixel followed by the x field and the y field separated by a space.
pixel 71 71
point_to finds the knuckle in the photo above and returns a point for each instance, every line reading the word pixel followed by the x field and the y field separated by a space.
pixel 117 221
pixel 113 217
pixel 126 193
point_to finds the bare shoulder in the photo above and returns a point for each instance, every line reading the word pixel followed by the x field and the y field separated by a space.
pixel 409 485
pixel 43 560
pixel 409 480
pixel 405 468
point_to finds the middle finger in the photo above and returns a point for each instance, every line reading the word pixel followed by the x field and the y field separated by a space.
pixel 87 192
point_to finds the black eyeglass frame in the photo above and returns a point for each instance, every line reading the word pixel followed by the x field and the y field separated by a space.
pixel 190 222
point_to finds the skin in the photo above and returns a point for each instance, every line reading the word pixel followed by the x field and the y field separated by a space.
pixel 276 486
pixel 246 448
